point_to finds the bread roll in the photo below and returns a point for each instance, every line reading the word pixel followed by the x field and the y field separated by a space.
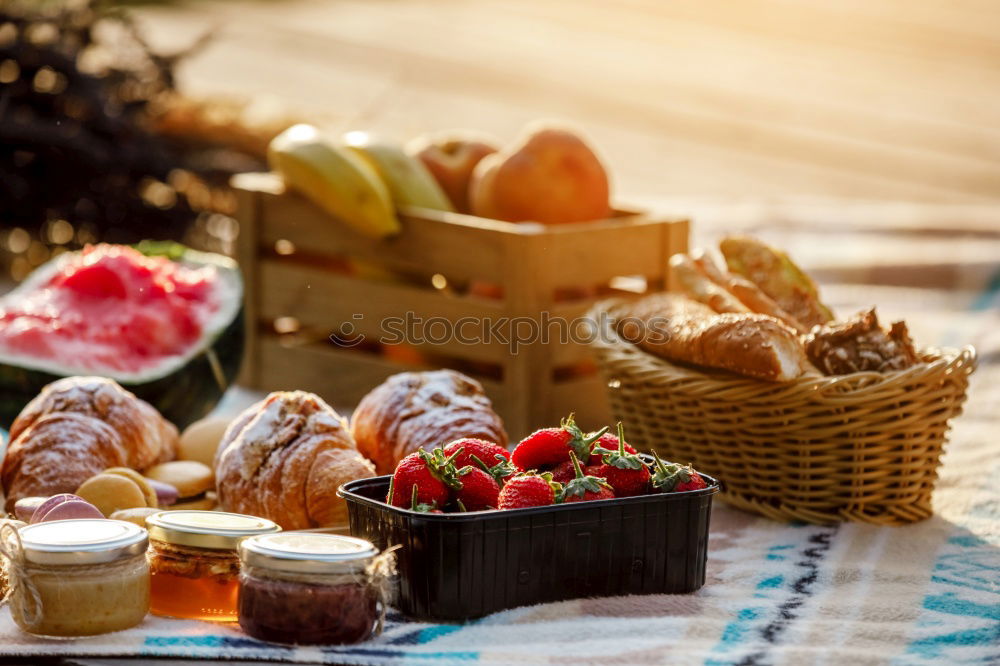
pixel 75 428
pixel 422 410
pixel 284 458
pixel 679 329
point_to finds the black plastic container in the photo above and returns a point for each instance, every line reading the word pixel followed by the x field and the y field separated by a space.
pixel 460 566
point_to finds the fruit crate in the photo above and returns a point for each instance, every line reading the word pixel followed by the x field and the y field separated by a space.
pixel 460 566
pixel 309 277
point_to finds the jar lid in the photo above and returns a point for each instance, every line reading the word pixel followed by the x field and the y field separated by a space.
pixel 216 530
pixel 82 541
pixel 307 552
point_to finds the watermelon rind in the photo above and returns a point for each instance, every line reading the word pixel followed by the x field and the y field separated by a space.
pixel 184 388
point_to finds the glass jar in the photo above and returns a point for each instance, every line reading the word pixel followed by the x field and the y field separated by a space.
pixel 80 577
pixel 194 565
pixel 306 588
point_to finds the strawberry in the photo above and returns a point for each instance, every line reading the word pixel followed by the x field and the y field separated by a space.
pixel 608 440
pixel 564 472
pixel 491 458
pixel 584 488
pixel 625 472
pixel 421 508
pixel 671 477
pixel 480 448
pixel 479 490
pixel 432 474
pixel 529 489
pixel 548 447
pixel 689 480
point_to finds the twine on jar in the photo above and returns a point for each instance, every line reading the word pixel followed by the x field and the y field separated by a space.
pixel 22 595
pixel 380 572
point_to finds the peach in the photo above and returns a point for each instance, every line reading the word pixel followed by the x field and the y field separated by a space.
pixel 551 175
pixel 451 156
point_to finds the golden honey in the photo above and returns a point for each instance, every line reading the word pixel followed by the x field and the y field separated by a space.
pixel 193 562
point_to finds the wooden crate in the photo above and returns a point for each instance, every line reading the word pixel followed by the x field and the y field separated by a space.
pixel 307 275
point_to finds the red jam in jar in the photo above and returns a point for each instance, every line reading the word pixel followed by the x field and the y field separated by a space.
pixel 304 588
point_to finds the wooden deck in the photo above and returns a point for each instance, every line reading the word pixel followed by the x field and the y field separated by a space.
pixel 730 99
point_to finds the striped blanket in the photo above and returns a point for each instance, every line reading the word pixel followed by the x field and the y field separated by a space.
pixel 776 594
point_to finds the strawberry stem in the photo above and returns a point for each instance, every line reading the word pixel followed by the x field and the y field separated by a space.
pixel 576 465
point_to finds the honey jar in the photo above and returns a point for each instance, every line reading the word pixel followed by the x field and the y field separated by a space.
pixel 193 561
pixel 306 588
pixel 78 577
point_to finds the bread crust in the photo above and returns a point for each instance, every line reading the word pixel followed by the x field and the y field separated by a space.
pixel 422 410
pixel 274 461
pixel 676 328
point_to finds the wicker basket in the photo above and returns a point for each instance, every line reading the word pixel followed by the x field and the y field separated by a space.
pixel 860 447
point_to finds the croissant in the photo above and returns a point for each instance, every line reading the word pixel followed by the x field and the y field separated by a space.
pixel 421 410
pixel 77 427
pixel 284 458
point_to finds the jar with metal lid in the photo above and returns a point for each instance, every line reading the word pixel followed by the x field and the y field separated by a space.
pixel 195 568
pixel 307 588
pixel 78 577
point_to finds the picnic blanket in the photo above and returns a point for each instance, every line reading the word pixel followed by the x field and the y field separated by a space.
pixel 781 594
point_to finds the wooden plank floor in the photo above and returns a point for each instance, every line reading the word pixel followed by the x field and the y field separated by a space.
pixel 869 99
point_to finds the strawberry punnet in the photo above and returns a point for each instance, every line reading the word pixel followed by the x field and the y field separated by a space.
pixel 624 471
pixel 479 489
pixel 548 447
pixel 584 488
pixel 528 489
pixel 433 475
pixel 671 477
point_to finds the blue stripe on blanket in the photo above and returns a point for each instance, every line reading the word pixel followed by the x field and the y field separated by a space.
pixel 960 621
pixel 210 641
pixel 746 640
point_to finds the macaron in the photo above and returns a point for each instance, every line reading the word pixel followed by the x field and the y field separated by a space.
pixel 193 481
pixel 201 439
pixel 147 490
pixel 111 492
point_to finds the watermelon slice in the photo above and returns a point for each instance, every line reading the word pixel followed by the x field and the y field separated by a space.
pixel 164 321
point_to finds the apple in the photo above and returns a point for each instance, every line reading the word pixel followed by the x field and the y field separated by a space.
pixel 451 156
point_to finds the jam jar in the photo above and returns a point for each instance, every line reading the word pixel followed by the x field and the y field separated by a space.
pixel 77 577
pixel 194 565
pixel 305 588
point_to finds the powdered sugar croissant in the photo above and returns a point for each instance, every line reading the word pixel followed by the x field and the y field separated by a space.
pixel 77 427
pixel 284 458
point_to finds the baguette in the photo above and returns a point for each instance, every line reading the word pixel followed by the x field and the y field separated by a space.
pixel 679 329
pixel 778 277
pixel 747 292
pixel 698 287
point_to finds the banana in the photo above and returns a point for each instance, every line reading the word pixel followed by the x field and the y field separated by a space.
pixel 409 181
pixel 335 178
